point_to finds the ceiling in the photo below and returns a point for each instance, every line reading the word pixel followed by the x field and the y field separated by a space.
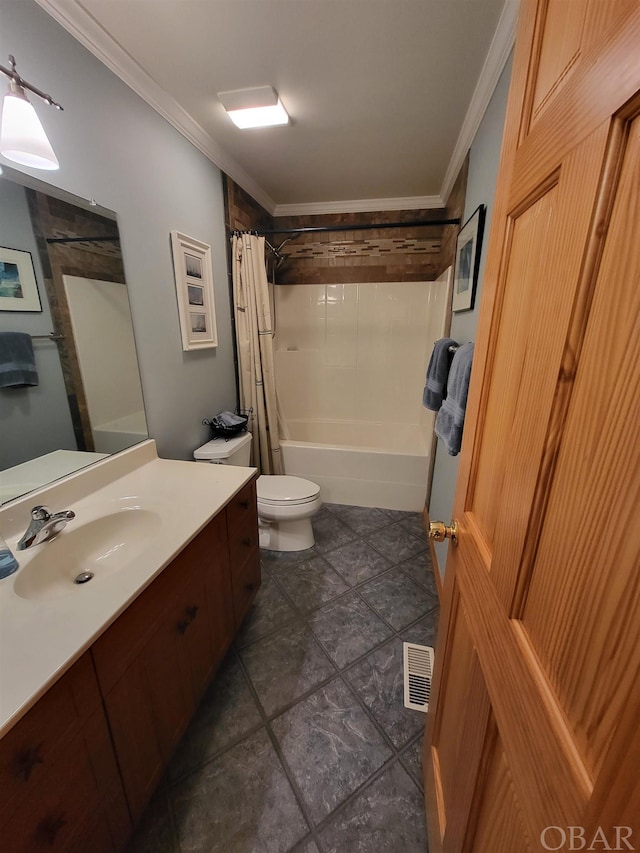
pixel 384 95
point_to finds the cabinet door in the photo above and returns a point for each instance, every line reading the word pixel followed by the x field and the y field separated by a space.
pixel 58 775
pixel 242 525
pixel 151 704
pixel 210 626
pixel 246 583
pixel 244 553
pixel 131 716
pixel 186 622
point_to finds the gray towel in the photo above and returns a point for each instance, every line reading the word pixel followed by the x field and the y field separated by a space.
pixel 435 389
pixel 450 420
pixel 228 419
pixel 17 361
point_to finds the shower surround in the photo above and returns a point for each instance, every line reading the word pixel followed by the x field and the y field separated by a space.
pixel 350 363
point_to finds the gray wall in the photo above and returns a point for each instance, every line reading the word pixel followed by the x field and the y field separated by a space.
pixel 484 158
pixel 112 146
pixel 33 420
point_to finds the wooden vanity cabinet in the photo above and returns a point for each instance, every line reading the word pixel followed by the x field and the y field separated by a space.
pixel 58 774
pixel 74 780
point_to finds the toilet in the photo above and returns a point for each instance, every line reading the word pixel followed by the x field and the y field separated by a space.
pixel 285 504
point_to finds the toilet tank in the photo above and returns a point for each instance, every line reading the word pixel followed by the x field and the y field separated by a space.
pixel 234 451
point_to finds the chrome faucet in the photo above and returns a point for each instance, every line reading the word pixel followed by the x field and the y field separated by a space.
pixel 44 526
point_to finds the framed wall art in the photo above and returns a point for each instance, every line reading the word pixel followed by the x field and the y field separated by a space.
pixel 194 288
pixel 467 263
pixel 18 288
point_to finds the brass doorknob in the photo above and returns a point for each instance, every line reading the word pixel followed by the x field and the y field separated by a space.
pixel 439 531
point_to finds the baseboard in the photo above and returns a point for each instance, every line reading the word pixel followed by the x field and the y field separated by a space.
pixel 434 556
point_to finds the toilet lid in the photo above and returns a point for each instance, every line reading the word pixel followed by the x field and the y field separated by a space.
pixel 283 490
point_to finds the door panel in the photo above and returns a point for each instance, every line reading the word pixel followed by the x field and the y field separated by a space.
pixel 451 742
pixel 602 14
pixel 527 253
pixel 585 587
pixel 528 381
pixel 538 656
pixel 547 770
pixel 561 40
pixel 460 735
pixel 500 822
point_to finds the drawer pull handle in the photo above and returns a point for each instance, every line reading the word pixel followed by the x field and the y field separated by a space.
pixel 49 827
pixel 26 762
pixel 243 504
pixel 191 613
pixel 246 542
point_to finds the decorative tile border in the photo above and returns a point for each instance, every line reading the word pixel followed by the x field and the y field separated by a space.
pixel 363 248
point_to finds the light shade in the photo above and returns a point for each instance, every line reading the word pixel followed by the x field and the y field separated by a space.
pixel 22 136
pixel 260 107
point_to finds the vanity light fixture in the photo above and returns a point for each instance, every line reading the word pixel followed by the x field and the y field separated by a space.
pixel 22 136
pixel 260 107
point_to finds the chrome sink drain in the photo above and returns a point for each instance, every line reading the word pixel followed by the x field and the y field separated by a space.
pixel 83 577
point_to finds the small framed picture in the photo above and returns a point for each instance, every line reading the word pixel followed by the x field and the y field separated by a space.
pixel 195 294
pixel 192 266
pixel 199 324
pixel 467 264
pixel 194 289
pixel 18 288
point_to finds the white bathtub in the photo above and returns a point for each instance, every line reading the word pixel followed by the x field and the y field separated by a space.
pixel 362 464
pixel 121 433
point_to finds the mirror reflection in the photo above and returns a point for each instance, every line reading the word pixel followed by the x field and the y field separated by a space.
pixel 77 397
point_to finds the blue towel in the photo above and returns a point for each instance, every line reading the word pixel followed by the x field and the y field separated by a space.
pixel 450 419
pixel 435 389
pixel 17 361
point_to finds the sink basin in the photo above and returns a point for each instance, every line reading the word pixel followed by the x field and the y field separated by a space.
pixel 102 547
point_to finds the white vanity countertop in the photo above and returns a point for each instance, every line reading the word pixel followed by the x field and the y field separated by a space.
pixel 38 472
pixel 41 638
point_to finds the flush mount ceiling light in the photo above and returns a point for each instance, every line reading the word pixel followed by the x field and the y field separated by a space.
pixel 22 136
pixel 259 107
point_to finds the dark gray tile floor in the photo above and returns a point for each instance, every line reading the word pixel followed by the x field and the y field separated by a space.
pixel 302 742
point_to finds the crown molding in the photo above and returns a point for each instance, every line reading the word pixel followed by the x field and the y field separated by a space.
pixel 84 28
pixel 359 205
pixel 499 50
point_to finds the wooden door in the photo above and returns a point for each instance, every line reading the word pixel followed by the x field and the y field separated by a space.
pixel 533 739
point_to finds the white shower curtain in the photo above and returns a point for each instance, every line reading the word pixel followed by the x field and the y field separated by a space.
pixel 254 333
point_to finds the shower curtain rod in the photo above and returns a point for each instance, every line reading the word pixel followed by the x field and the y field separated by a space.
pixel 357 227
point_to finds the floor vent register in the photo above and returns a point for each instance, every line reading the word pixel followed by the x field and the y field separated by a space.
pixel 418 669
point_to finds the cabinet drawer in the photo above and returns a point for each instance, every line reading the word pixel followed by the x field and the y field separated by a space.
pixel 33 745
pixel 242 525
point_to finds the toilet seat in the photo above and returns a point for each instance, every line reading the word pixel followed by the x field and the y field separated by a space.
pixel 286 491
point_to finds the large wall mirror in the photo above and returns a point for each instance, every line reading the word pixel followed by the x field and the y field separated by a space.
pixel 87 402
